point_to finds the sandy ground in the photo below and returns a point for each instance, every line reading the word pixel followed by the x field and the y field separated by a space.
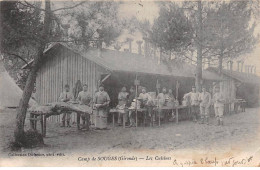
pixel 240 131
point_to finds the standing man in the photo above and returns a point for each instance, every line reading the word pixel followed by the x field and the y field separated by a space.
pixel 101 102
pixel 145 97
pixel 122 100
pixel 162 102
pixel 219 101
pixel 205 101
pixel 84 98
pixel 194 101
pixel 131 98
pixel 171 102
pixel 66 96
pixel 170 99
pixel 146 102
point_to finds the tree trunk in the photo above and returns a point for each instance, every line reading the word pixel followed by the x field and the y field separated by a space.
pixel 220 64
pixel 23 105
pixel 198 77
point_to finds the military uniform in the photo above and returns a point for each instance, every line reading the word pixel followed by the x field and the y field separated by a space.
pixel 101 101
pixel 170 99
pixel 194 102
pixel 85 99
pixel 131 114
pixel 65 97
pixel 161 102
pixel 122 100
pixel 205 99
pixel 218 106
pixel 147 103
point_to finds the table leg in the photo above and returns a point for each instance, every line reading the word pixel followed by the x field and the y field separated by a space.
pixel 172 114
pixel 87 121
pixel 159 117
pixel 177 115
pixel 42 130
pixel 144 117
pixel 78 120
pixel 31 121
pixel 124 120
pixel 113 115
pixel 136 118
pixel 44 125
pixel 153 118
pixel 35 122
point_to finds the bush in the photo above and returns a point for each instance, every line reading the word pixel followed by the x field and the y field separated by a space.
pixel 30 139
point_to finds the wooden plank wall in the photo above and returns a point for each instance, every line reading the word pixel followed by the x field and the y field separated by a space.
pixel 228 89
pixel 65 67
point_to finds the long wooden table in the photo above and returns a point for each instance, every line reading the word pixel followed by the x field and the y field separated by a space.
pixel 41 113
pixel 176 108
pixel 241 103
pixel 237 103
pixel 126 110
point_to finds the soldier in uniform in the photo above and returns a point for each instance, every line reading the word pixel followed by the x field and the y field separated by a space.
pixel 194 101
pixel 131 98
pixel 66 96
pixel 146 103
pixel 205 101
pixel 218 100
pixel 171 102
pixel 122 100
pixel 101 102
pixel 85 99
pixel 162 102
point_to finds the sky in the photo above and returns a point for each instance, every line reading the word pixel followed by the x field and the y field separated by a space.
pixel 150 11
pixel 142 11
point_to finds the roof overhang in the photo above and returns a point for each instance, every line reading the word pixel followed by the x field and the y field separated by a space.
pixel 107 66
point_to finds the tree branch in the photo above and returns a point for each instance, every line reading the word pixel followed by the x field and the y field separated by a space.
pixel 187 8
pixel 17 57
pixel 69 7
pixel 27 4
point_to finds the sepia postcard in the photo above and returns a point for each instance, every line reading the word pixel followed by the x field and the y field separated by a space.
pixel 130 83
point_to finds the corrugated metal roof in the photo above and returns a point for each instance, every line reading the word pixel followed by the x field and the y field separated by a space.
pixel 240 76
pixel 135 63
pixel 132 62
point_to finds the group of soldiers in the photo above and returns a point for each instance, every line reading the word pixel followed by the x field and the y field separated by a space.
pixel 99 104
pixel 144 100
pixel 201 102
pixel 200 105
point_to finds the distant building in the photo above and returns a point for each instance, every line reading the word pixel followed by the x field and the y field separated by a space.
pixel 240 85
